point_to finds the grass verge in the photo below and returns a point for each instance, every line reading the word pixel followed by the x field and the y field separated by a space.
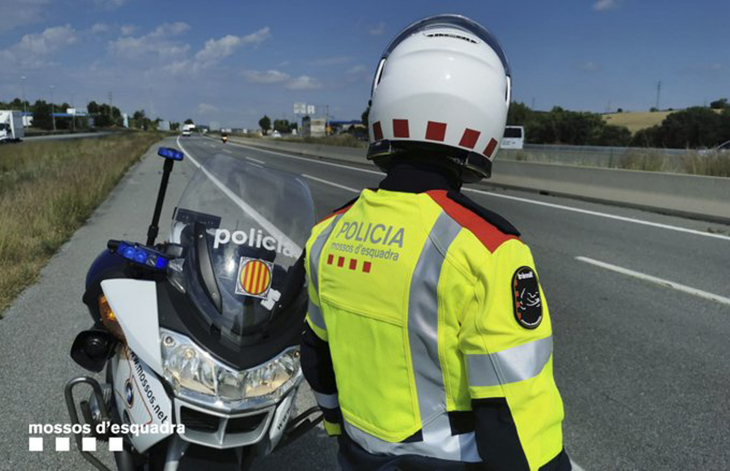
pixel 47 191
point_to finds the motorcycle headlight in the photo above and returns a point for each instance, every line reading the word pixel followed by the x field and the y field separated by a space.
pixel 195 374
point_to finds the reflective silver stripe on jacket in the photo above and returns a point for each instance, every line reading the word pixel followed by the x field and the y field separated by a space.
pixel 315 314
pixel 509 366
pixel 423 338
pixel 326 401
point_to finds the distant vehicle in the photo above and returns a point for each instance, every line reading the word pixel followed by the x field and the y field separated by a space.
pixel 721 149
pixel 11 126
pixel 724 147
pixel 276 134
pixel 188 129
pixel 514 137
pixel 224 137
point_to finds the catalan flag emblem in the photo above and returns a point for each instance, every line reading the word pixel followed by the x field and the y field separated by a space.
pixel 254 277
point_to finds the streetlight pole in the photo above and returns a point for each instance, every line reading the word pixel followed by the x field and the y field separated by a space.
pixel 25 108
pixel 53 117
pixel 73 117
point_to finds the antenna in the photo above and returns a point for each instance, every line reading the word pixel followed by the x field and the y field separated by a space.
pixel 658 94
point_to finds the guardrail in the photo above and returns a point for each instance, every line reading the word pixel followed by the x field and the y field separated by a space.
pixel 693 196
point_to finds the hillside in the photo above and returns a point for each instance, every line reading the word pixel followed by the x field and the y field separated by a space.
pixel 636 121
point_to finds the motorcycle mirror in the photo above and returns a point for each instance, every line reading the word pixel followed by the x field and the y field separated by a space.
pixel 92 349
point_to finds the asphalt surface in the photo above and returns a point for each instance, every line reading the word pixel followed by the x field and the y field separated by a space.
pixel 643 368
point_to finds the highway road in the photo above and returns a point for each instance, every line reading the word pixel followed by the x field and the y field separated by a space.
pixel 640 304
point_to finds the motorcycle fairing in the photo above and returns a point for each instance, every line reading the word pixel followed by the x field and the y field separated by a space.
pixel 140 397
pixel 134 303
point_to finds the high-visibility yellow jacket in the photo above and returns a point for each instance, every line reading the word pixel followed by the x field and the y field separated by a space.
pixel 428 308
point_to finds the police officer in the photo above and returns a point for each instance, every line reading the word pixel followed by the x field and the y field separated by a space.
pixel 428 342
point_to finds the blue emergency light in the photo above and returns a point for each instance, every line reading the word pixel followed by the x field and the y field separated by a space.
pixel 171 154
pixel 142 256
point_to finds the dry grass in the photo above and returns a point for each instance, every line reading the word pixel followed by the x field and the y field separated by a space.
pixel 714 164
pixel 636 121
pixel 341 140
pixel 48 190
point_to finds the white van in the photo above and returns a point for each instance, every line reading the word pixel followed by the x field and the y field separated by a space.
pixel 514 137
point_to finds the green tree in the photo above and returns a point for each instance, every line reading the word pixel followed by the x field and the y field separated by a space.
pixel 42 115
pixel 189 121
pixel 282 125
pixel 265 124
pixel 720 104
pixel 519 114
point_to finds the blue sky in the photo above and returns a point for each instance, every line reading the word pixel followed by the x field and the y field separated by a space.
pixel 233 61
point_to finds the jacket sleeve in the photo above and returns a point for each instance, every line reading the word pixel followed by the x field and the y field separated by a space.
pixel 506 341
pixel 317 361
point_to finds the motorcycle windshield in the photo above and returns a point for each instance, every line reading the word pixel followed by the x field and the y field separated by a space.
pixel 242 228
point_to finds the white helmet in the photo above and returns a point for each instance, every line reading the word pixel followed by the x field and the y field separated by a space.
pixel 442 88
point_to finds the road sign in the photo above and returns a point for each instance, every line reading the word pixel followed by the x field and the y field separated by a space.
pixel 300 108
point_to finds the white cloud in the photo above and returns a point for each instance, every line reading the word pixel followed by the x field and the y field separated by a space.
pixel 126 30
pixel 217 49
pixel 379 29
pixel 110 4
pixel 158 42
pixel 205 108
pixel 590 66
pixel 17 13
pixel 358 73
pixel 268 77
pixel 99 28
pixel 326 61
pixel 33 50
pixel 603 5
pixel 304 82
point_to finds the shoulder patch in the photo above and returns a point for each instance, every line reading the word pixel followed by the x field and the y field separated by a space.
pixel 526 298
pixel 490 228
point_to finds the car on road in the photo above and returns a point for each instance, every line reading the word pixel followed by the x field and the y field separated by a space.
pixel 514 137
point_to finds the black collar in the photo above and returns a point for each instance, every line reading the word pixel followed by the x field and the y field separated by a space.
pixel 415 178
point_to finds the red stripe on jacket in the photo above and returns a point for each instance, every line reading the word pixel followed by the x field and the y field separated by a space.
pixel 489 235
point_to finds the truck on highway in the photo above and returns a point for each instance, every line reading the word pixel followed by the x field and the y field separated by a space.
pixel 11 126
pixel 187 129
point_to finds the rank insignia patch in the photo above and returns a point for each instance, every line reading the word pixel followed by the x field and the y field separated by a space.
pixel 526 298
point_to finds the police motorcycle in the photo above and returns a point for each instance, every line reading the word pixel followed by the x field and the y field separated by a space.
pixel 224 138
pixel 199 334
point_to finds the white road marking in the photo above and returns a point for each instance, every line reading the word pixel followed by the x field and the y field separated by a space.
pixel 227 151
pixel 255 160
pixel 265 223
pixel 659 281
pixel 256 165
pixel 604 215
pixel 327 182
pixel 575 466
pixel 524 200
pixel 306 159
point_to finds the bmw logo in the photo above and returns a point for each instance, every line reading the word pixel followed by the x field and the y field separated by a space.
pixel 128 393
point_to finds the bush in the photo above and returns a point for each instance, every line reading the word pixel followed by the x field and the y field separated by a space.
pixel 691 128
